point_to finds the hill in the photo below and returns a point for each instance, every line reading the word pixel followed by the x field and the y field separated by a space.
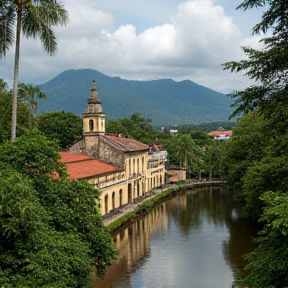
pixel 168 102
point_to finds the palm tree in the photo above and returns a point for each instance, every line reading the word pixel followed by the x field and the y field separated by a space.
pixel 28 94
pixel 33 18
pixel 187 151
pixel 3 86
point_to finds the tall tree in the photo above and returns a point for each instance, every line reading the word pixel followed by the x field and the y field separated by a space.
pixel 6 114
pixel 32 93
pixel 267 171
pixel 33 18
pixel 268 67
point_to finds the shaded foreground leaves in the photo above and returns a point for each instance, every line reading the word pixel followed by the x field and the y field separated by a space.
pixel 51 231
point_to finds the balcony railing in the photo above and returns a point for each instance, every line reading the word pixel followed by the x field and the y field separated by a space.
pixel 134 175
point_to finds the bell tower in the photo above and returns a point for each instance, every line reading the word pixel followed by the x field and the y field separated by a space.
pixel 93 119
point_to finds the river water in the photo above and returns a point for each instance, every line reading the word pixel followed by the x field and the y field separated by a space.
pixel 193 240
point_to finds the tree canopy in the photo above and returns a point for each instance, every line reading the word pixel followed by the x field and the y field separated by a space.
pixel 23 115
pixel 65 127
pixel 255 158
pixel 51 230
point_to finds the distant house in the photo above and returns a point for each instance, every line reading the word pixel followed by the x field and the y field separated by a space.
pixel 173 131
pixel 221 135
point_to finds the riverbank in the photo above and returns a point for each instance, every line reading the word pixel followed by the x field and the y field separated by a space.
pixel 129 211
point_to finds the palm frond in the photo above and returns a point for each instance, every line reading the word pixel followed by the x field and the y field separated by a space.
pixel 48 39
pixel 7 21
pixel 39 17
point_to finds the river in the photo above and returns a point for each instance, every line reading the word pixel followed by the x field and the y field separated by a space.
pixel 193 240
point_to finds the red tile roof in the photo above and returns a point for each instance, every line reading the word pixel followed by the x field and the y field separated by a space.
pixel 218 133
pixel 81 166
pixel 127 144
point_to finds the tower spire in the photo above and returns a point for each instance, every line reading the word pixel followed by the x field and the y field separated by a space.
pixel 94 93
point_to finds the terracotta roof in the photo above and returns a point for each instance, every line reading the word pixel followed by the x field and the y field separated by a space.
pixel 69 157
pixel 218 133
pixel 90 168
pixel 127 144
pixel 81 166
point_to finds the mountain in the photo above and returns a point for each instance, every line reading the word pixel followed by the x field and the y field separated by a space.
pixel 168 102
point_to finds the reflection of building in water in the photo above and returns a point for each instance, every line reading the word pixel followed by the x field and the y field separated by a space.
pixel 133 244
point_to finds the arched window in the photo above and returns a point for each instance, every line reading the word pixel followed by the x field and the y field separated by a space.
pixel 91 125
pixel 113 200
pixel 106 203
pixel 120 197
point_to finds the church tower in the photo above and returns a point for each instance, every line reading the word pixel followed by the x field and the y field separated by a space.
pixel 93 119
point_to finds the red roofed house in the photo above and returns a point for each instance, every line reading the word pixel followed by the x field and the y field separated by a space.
pixel 115 165
pixel 221 135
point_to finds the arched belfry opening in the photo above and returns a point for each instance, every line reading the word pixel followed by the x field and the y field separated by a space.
pixel 91 125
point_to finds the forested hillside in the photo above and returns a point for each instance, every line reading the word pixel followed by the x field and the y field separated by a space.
pixel 167 102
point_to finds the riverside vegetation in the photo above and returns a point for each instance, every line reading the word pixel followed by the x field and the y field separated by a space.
pixel 255 159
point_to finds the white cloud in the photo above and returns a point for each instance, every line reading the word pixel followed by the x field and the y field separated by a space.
pixel 198 38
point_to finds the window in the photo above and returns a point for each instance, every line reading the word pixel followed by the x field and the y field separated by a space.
pixel 113 200
pixel 120 197
pixel 91 125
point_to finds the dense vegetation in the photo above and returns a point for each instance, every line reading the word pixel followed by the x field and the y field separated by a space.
pixel 51 232
pixel 166 101
pixel 65 127
pixel 255 159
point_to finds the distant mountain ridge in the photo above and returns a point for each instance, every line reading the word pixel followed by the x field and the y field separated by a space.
pixel 168 102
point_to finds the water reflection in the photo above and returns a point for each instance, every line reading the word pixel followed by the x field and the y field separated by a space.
pixel 192 240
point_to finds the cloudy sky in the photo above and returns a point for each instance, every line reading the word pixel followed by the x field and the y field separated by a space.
pixel 144 40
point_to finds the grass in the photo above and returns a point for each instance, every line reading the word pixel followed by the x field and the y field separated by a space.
pixel 145 207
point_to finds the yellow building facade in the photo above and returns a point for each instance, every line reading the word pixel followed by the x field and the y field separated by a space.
pixel 131 171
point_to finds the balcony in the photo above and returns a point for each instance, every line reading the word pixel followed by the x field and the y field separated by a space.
pixel 134 176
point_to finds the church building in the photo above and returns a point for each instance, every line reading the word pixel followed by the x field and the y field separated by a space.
pixel 120 167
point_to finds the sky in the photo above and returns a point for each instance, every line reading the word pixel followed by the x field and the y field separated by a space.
pixel 145 40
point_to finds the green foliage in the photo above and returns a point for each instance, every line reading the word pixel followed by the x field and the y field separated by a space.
pixel 213 151
pixel 66 127
pixel 246 146
pixel 268 67
pixel 51 231
pixel 268 174
pixel 183 151
pixel 28 94
pixel 256 161
pixel 33 155
pixel 6 114
pixel 268 265
pixel 35 18
pixel 141 131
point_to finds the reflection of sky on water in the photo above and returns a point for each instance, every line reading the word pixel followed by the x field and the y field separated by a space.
pixel 179 261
